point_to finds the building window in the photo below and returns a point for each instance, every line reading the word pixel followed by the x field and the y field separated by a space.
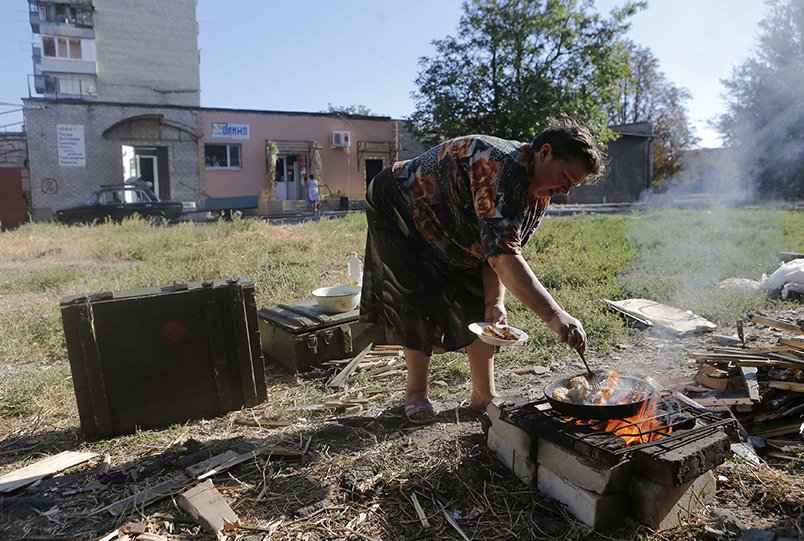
pixel 75 85
pixel 61 47
pixel 222 156
pixel 66 14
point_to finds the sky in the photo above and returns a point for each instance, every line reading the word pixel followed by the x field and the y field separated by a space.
pixel 303 55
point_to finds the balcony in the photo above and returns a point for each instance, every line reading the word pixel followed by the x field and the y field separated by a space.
pixel 63 65
pixel 67 30
pixel 34 18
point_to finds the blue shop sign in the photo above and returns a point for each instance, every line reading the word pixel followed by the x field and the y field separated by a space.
pixel 230 131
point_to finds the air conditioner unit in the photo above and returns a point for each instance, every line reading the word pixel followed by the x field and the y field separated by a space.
pixel 340 139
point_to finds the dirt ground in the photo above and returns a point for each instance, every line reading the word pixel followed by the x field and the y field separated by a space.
pixel 363 465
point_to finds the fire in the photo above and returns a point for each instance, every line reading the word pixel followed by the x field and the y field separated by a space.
pixel 644 427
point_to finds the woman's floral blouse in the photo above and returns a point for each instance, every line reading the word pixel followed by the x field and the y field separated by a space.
pixel 467 198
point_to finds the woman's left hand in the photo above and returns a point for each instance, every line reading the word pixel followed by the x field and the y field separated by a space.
pixel 496 314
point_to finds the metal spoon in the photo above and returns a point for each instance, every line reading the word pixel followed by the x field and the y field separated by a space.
pixel 591 377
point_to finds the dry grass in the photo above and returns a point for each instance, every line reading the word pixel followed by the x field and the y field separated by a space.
pixel 362 465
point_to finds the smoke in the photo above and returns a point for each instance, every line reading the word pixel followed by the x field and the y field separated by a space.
pixel 709 177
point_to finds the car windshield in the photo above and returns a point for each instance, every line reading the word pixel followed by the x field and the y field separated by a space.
pixel 92 199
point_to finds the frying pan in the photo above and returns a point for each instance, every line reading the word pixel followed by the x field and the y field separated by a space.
pixel 589 411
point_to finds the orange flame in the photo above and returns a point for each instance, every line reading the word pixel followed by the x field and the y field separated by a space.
pixel 635 430
pixel 641 428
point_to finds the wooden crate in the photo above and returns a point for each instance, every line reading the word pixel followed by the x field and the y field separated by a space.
pixel 151 357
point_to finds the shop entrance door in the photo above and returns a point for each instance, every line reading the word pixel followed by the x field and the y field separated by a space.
pixel 287 178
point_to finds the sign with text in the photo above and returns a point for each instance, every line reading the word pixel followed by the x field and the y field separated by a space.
pixel 70 142
pixel 230 131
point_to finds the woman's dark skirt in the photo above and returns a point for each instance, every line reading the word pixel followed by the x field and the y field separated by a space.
pixel 420 301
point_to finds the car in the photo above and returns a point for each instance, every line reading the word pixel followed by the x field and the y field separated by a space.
pixel 117 203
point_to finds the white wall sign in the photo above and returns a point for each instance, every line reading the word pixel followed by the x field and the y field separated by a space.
pixel 230 131
pixel 70 142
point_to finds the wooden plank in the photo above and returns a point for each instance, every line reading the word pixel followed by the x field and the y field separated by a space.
pixel 148 496
pixel 43 468
pixel 776 429
pixel 786 386
pixel 781 325
pixel 341 377
pixel 728 356
pixel 198 469
pixel 711 401
pixel 711 377
pixel 750 378
pixel 792 342
pixel 770 363
pixel 206 504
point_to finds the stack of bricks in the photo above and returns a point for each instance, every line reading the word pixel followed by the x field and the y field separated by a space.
pixel 659 487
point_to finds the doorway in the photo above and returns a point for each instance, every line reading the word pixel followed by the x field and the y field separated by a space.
pixel 289 178
pixel 12 202
pixel 150 165
pixel 373 166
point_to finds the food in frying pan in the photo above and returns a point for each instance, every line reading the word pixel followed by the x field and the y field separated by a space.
pixel 503 333
pixel 579 389
pixel 613 390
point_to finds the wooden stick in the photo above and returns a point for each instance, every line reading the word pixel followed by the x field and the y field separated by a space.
pixel 340 378
pixel 786 386
pixel 454 524
pixel 781 325
pixel 419 511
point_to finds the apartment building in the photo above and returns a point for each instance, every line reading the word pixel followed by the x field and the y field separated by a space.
pixel 120 90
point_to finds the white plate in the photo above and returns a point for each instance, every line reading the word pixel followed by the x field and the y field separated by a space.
pixel 478 327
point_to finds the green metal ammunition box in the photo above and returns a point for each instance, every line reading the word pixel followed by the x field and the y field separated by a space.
pixel 300 336
pixel 151 357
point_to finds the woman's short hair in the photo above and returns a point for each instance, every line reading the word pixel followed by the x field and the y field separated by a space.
pixel 571 140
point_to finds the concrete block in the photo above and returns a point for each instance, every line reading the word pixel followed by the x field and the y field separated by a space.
pixel 522 467
pixel 675 463
pixel 662 507
pixel 594 510
pixel 515 436
pixel 583 472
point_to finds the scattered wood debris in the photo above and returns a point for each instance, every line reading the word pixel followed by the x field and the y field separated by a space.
pixel 761 387
pixel 206 504
pixel 43 468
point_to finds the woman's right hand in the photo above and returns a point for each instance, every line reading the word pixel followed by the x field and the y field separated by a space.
pixel 569 330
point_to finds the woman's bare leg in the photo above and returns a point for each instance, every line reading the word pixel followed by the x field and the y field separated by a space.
pixel 481 368
pixel 417 385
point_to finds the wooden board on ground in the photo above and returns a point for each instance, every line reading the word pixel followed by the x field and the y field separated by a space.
pixel 341 377
pixel 662 316
pixel 204 503
pixel 751 385
pixel 148 496
pixel 773 323
pixel 787 386
pixel 43 468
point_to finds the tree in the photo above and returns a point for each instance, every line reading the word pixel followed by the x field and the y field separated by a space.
pixel 764 119
pixel 647 96
pixel 514 63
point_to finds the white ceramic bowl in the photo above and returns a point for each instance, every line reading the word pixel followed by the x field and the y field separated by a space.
pixel 337 299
